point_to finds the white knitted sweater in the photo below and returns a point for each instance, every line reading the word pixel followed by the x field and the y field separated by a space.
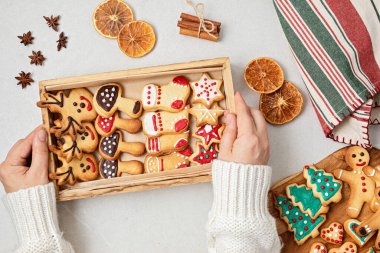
pixel 239 221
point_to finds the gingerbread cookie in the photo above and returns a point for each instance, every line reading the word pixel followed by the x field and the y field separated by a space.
pixel 374 174
pixel 351 226
pixel 318 248
pixel 206 115
pixel 172 97
pixel 175 160
pixel 85 169
pixel 115 168
pixel 333 233
pixel 167 143
pixel 209 134
pixel 86 142
pixel 107 126
pixel 370 250
pixel 301 224
pixel 204 155
pixel 362 187
pixel 74 106
pixel 303 197
pixel 347 247
pixel 206 90
pixel 108 100
pixel 158 123
pixel 324 185
pixel 110 147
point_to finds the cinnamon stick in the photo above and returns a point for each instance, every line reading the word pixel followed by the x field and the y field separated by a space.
pixel 194 26
pixel 185 16
pixel 202 35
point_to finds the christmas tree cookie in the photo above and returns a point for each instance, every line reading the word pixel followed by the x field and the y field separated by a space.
pixel 324 185
pixel 302 197
pixel 301 224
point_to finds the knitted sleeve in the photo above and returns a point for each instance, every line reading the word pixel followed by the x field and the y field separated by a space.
pixel 34 213
pixel 239 220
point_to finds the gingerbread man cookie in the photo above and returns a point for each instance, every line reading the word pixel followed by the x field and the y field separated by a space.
pixel 318 247
pixel 204 155
pixel 333 233
pixel 206 90
pixel 175 160
pixel 107 126
pixel 374 174
pixel 209 134
pixel 86 142
pixel 206 115
pixel 351 226
pixel 362 187
pixel 115 168
pixel 108 100
pixel 347 247
pixel 158 123
pixel 75 107
pixel 167 143
pixel 172 97
pixel 85 169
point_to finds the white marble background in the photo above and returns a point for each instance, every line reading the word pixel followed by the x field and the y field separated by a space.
pixel 167 220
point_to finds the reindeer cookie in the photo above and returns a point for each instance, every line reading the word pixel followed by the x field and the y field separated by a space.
pixel 110 147
pixel 75 107
pixel 362 187
pixel 115 168
pixel 175 160
pixel 159 123
pixel 206 90
pixel 167 143
pixel 107 126
pixel 108 100
pixel 85 169
pixel 172 97
pixel 86 142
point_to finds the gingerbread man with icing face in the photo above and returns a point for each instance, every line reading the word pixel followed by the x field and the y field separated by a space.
pixel 362 187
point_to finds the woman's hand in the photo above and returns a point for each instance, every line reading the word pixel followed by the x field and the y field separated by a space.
pixel 16 172
pixel 245 138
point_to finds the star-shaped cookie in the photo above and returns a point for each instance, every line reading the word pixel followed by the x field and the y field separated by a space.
pixel 209 134
pixel 206 90
pixel 206 115
pixel 204 155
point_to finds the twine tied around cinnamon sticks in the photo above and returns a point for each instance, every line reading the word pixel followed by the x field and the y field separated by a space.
pixel 199 9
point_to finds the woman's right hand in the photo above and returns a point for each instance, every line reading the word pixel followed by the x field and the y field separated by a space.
pixel 245 138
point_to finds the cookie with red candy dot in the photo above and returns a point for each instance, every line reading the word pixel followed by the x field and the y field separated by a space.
pixel 206 90
pixel 348 247
pixel 318 248
pixel 333 233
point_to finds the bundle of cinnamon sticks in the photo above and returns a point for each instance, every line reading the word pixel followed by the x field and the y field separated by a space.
pixel 189 25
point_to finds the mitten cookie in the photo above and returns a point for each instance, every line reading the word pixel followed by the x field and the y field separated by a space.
pixel 333 233
pixel 75 107
pixel 362 187
pixel 203 155
pixel 110 147
pixel 324 185
pixel 86 142
pixel 85 169
pixel 302 225
pixel 206 90
pixel 351 226
pixel 206 115
pixel 111 169
pixel 158 123
pixel 347 247
pixel 175 160
pixel 167 143
pixel 303 197
pixel 108 99
pixel 318 248
pixel 209 134
pixel 172 97
pixel 107 126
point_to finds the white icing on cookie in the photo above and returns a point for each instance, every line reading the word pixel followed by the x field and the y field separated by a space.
pixel 149 96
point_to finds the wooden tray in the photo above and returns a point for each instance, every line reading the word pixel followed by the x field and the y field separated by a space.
pixel 337 211
pixel 133 81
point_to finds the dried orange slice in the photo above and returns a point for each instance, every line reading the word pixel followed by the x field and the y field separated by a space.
pixel 110 16
pixel 264 75
pixel 283 105
pixel 137 38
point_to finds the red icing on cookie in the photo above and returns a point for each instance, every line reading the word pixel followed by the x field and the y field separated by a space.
pixel 89 105
pixel 102 123
pixel 91 163
pixel 208 132
pixel 91 133
pixel 181 80
pixel 186 152
pixel 154 122
pixel 181 143
pixel 177 104
pixel 206 156
pixel 153 144
pixel 183 166
pixel 181 124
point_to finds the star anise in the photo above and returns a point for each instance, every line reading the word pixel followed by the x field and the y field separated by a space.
pixel 26 38
pixel 24 79
pixel 37 58
pixel 52 22
pixel 62 41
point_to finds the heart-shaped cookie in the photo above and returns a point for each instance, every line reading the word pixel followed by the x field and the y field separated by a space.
pixel 348 247
pixel 318 247
pixel 371 250
pixel 350 225
pixel 333 233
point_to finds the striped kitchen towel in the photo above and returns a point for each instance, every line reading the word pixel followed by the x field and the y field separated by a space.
pixel 336 44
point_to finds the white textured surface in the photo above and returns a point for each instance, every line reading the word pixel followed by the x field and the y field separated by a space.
pixel 168 220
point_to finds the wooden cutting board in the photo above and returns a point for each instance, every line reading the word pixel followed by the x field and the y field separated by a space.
pixel 337 211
